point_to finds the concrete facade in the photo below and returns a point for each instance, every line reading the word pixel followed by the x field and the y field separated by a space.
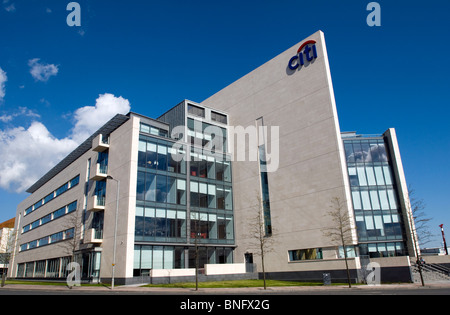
pixel 311 166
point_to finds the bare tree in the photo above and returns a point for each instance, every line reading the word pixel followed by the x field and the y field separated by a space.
pixel 419 224
pixel 73 221
pixel 341 231
pixel 261 241
pixel 420 218
pixel 6 252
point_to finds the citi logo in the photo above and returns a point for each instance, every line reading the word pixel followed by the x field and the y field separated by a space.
pixel 307 52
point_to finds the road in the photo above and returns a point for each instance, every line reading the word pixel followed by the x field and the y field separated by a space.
pixel 401 289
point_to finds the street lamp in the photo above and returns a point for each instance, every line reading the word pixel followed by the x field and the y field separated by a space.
pixel 443 238
pixel 115 229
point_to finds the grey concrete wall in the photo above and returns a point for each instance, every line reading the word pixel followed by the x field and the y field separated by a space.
pixel 311 167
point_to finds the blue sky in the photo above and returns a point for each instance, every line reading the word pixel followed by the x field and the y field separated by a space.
pixel 55 80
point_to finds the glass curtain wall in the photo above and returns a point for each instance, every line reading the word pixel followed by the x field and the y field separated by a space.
pixel 182 197
pixel 375 202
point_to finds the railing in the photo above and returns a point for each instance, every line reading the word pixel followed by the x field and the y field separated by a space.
pixel 98 234
pixel 100 200
pixel 103 168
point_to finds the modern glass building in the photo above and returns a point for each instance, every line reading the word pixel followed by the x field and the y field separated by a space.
pixel 378 214
pixel 156 197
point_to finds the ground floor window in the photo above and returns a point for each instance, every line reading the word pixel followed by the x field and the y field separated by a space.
pixel 147 257
pixel 56 268
pixel 305 254
pixel 391 249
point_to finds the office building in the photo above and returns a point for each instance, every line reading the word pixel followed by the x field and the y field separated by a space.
pixel 148 194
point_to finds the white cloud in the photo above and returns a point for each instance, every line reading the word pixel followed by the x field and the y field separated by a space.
pixel 9 7
pixel 22 111
pixel 90 118
pixel 3 79
pixel 42 72
pixel 26 154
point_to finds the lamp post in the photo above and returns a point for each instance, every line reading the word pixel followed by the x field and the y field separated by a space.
pixel 115 229
pixel 443 238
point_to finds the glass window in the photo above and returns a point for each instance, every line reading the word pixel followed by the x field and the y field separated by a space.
pixel 161 188
pixel 353 176
pixel 370 176
pixel 171 190
pixel 140 187
pixel 49 197
pixel 162 157
pixel 72 207
pixel 387 175
pixel 152 155
pixel 181 191
pixel 392 199
pixel 350 156
pixel 359 156
pixel 58 213
pixel 146 257
pixel 61 189
pixel 158 254
pixel 46 219
pixel 194 194
pixel 374 200
pixel 379 175
pixel 150 187
pixel 356 200
pixel 379 153
pixel 57 237
pixel 365 200
pixel 212 196
pixel 195 110
pixel 35 224
pixel 383 199
pixel 142 153
pixel 211 166
pixel 176 161
pixel 361 176
pixel 203 195
pixel 305 254
pixel 366 151
pixel 74 181
pixel 218 117
pixel 169 257
pixel 220 193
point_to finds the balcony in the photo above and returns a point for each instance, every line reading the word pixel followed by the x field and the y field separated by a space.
pixel 100 172
pixel 100 143
pixel 96 203
pixel 93 236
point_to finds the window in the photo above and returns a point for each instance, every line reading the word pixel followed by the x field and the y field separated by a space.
pixel 59 213
pixel 153 130
pixel 62 189
pixel 218 117
pixel 208 136
pixel 195 110
pixel 163 156
pixel 156 224
pixel 305 254
pixel 49 197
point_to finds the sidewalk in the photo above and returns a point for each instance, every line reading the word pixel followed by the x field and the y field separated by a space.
pixel 224 291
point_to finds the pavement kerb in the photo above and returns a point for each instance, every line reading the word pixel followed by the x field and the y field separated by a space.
pixel 256 290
